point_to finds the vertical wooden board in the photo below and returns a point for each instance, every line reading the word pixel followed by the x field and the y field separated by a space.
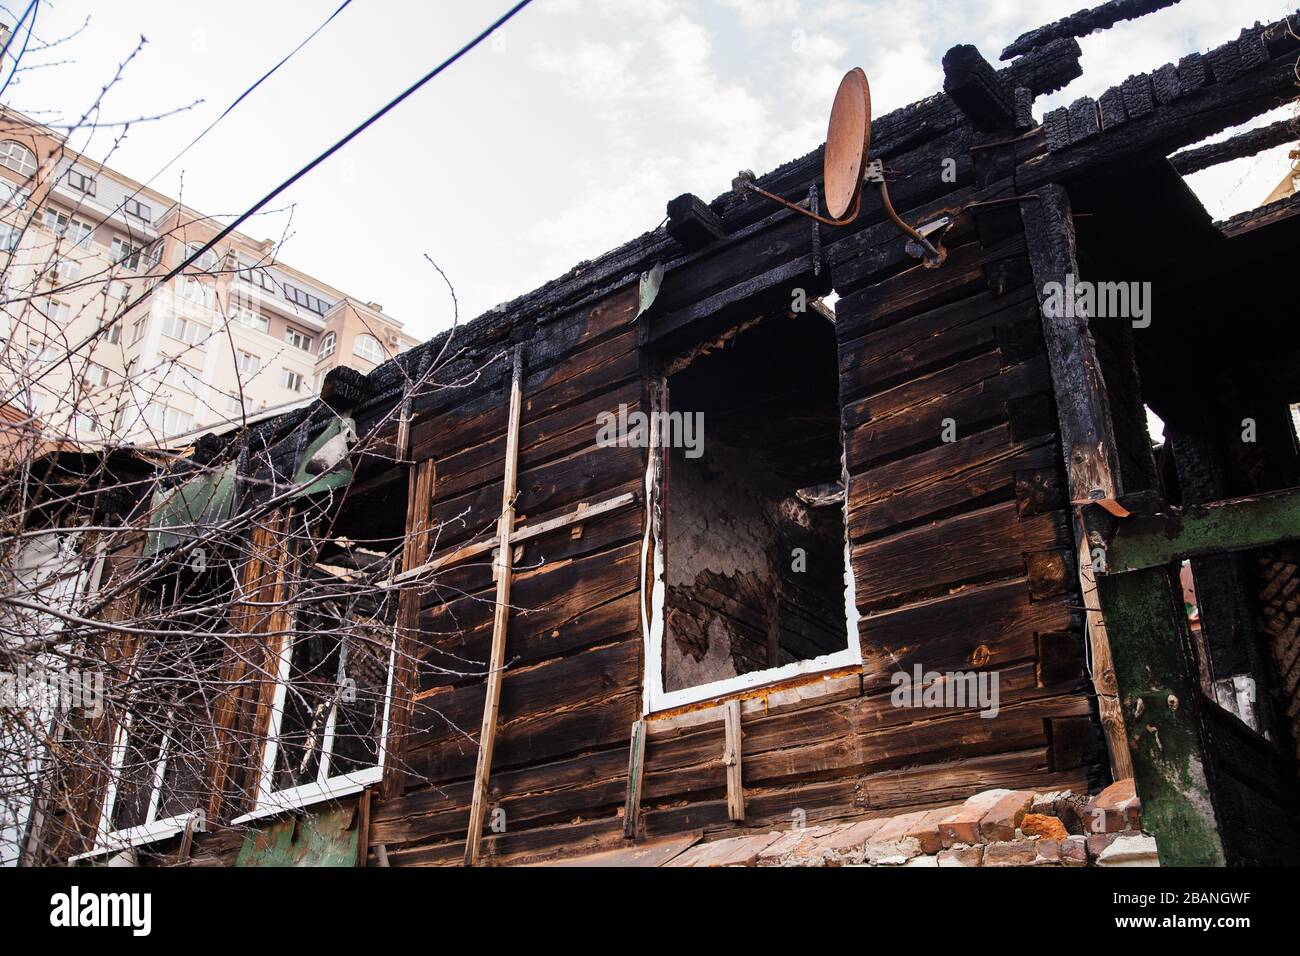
pixel 731 759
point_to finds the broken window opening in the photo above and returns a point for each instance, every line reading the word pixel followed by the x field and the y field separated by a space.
pixel 329 716
pixel 162 743
pixel 754 583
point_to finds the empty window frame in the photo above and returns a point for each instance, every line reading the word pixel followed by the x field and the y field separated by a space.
pixel 167 730
pixel 750 580
pixel 329 715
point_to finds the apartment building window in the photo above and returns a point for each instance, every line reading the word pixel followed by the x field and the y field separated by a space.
pixel 292 380
pixel 305 299
pixel 96 375
pixel 233 405
pixel 58 312
pixel 138 327
pixel 17 157
pixel 114 335
pixel 11 195
pixel 126 255
pixel 67 270
pixel 328 343
pixel 187 330
pixel 297 338
pixel 81 182
pixel 167 421
pixel 207 262
pixel 252 319
pixel 249 363
pixel 368 348
pixel 117 289
pixel 42 353
pixel 10 236
pixel 61 224
pixel 195 290
pixel 134 207
pixel 256 275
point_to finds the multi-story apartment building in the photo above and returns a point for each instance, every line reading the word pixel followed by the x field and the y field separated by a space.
pixel 235 335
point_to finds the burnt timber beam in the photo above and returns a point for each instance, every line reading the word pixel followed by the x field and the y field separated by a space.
pixel 1158 129
pixel 1237 147
pixel 1235 524
pixel 1143 663
pixel 974 86
pixel 1087 432
pixel 1080 24
pixel 692 223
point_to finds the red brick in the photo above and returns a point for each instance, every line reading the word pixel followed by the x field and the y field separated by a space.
pixel 1004 817
pixel 1115 808
pixel 1011 853
pixel 926 830
pixel 963 824
pixel 1074 851
pixel 1037 824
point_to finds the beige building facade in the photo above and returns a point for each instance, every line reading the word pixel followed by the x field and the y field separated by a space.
pixel 238 334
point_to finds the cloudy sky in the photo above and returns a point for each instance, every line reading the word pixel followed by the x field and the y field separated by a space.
pixel 562 137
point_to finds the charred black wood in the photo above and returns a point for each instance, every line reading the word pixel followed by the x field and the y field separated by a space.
pixel 975 88
pixel 1082 23
pixel 1243 144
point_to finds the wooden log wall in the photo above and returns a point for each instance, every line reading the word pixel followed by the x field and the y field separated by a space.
pixel 572 687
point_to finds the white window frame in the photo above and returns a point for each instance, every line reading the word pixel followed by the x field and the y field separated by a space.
pixel 270 801
pixel 14 155
pixel 288 375
pixel 654 698
pixel 328 343
pixel 379 353
pixel 152 830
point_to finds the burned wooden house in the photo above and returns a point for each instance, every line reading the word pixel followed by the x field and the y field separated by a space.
pixel 672 533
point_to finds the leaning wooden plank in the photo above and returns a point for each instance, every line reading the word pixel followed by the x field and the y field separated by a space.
pixel 582 513
pixel 492 704
pixel 731 759
pixel 635 773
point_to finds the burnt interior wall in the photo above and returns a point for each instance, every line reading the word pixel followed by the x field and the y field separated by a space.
pixel 754 575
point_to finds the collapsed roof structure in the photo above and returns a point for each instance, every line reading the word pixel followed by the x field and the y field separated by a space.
pixel 634 638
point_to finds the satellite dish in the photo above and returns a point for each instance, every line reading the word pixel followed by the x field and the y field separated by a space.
pixel 845 168
pixel 848 137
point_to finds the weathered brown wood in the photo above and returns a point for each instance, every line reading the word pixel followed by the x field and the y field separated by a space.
pixel 731 759
pixel 421 481
pixel 496 663
pixel 635 775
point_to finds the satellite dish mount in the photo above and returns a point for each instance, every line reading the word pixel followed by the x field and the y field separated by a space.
pixel 846 167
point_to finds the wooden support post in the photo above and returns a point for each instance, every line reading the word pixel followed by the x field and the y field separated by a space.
pixel 420 484
pixel 492 703
pixel 731 759
pixel 635 773
pixel 363 828
pixel 1087 434
pixel 1145 678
